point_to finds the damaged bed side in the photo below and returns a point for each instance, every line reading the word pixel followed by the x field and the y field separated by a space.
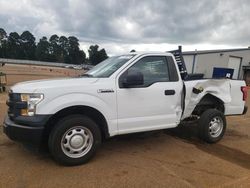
pixel 224 94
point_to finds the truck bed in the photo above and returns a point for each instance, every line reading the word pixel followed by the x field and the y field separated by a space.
pixel 227 90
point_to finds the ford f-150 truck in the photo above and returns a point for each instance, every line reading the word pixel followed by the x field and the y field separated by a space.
pixel 130 93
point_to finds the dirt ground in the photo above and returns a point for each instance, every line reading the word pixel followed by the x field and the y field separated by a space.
pixel 172 158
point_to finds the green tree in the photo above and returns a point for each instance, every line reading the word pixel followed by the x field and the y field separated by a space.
pixel 43 50
pixel 14 46
pixel 96 56
pixel 64 46
pixel 76 56
pixel 3 43
pixel 55 49
pixel 28 45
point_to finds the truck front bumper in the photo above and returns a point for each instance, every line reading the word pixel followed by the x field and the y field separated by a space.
pixel 23 133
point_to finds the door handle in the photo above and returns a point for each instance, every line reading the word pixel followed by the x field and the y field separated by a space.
pixel 169 92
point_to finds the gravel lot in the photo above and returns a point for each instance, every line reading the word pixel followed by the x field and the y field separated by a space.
pixel 173 158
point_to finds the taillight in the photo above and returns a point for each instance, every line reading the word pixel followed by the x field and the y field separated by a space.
pixel 244 92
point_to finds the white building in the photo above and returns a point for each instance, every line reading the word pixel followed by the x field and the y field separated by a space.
pixel 205 61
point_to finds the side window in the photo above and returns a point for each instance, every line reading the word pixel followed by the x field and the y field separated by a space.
pixel 172 70
pixel 153 68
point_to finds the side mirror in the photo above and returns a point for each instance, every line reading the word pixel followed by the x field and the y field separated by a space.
pixel 133 79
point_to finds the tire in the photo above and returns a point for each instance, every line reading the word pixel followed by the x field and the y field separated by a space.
pixel 74 140
pixel 212 125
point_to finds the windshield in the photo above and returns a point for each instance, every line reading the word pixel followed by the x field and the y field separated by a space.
pixel 108 67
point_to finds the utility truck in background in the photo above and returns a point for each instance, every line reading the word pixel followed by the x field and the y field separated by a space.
pixel 124 94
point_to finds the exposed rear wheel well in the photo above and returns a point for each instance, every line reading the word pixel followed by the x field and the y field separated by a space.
pixel 90 112
pixel 209 102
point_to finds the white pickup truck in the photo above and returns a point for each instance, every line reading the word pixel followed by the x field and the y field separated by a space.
pixel 130 93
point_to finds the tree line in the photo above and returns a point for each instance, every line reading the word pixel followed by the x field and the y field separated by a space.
pixel 59 49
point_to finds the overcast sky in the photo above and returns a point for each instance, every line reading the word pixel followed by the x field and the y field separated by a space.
pixel 119 26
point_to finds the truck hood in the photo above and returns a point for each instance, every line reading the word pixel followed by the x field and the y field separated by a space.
pixel 38 85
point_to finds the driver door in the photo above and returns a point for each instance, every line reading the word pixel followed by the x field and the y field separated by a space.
pixel 156 103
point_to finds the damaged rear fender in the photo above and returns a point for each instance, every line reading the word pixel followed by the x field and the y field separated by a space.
pixel 197 90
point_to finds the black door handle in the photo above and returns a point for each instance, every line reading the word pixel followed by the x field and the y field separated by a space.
pixel 169 92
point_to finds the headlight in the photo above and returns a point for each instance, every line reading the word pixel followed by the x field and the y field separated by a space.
pixel 32 100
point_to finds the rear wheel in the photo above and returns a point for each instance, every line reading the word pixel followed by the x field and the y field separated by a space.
pixel 74 140
pixel 212 125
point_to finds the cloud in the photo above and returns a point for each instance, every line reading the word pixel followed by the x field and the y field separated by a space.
pixel 122 25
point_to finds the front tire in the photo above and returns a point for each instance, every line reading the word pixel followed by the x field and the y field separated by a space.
pixel 212 125
pixel 74 140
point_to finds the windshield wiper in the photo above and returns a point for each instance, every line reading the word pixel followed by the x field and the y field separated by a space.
pixel 86 75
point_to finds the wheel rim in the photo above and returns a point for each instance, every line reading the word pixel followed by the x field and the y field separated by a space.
pixel 215 126
pixel 77 142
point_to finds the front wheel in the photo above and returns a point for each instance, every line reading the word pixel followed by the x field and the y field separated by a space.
pixel 212 125
pixel 74 140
